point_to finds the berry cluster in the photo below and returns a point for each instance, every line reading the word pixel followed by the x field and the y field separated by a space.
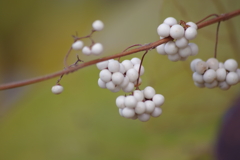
pixel 179 48
pixel 116 76
pixel 141 104
pixel 95 48
pixel 213 74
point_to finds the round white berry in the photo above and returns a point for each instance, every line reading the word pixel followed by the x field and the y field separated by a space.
pixel 137 67
pixel 177 31
pixel 197 77
pixel 125 82
pixel 86 50
pixel 231 65
pixel 224 85
pixel 150 106
pixel 110 85
pixel 130 101
pixel 97 49
pixel 170 21
pixel 113 66
pixel 158 100
pixel 190 33
pixel 128 112
pixel 192 24
pixel 157 112
pixel 185 52
pixel 193 64
pixel 201 67
pixel 160 49
pixel 117 78
pixel 174 57
pixel 221 74
pixel 122 69
pixel 209 76
pixel 105 75
pixel 57 89
pixel 101 83
pixel 102 65
pixel 132 75
pixel 129 87
pixel 232 78
pixel 213 63
pixel 212 84
pixel 194 48
pixel 163 30
pixel 144 117
pixel 149 92
pixel 77 45
pixel 135 60
pixel 127 64
pixel 98 25
pixel 181 42
pixel 170 48
pixel 140 108
pixel 120 101
pixel 138 95
pixel 116 89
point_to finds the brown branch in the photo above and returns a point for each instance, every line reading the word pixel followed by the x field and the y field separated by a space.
pixel 149 46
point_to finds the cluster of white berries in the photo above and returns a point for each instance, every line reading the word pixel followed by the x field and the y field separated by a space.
pixel 57 89
pixel 141 104
pixel 96 48
pixel 179 48
pixel 116 76
pixel 213 74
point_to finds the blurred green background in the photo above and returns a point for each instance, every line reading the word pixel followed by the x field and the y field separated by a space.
pixel 83 122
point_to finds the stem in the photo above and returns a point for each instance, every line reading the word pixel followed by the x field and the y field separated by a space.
pixel 222 17
pixel 139 70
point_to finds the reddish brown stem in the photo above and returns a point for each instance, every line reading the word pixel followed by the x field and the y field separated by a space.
pixel 222 17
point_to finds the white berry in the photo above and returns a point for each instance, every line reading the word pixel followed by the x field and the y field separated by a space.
pixel 157 112
pixel 149 92
pixel 98 25
pixel 170 48
pixel 128 112
pixel 130 101
pixel 190 33
pixel 86 50
pixel 113 66
pixel 97 49
pixel 232 78
pixel 77 45
pixel 140 108
pixel 57 89
pixel 163 30
pixel 170 21
pixel 177 31
pixel 158 99
pixel 120 101
pixel 105 75
pixel 209 76
pixel 231 65
pixel 144 117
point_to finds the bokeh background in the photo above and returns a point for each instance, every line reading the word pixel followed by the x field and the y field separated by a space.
pixel 83 122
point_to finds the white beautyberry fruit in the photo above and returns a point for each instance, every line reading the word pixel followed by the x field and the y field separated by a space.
pixel 127 64
pixel 193 64
pixel 138 95
pixel 158 99
pixel 181 42
pixel 132 74
pixel 101 84
pixel 192 24
pixel 157 112
pixel 221 74
pixel 160 49
pixel 130 101
pixel 77 45
pixel 150 106
pixel 102 65
pixel 185 52
pixel 177 31
pixel 170 48
pixel 120 101
pixel 105 75
pixel 140 107
pixel 117 78
pixel 98 25
pixel 212 84
pixel 144 117
pixel 110 85
pixel 122 68
pixel 190 33
pixel 163 30
pixel 231 65
pixel 224 85
pixel 232 78
pixel 129 87
pixel 209 76
pixel 212 63
pixel 149 92
pixel 113 66
pixel 137 67
pixel 128 112
pixel 201 67
pixel 174 57
pixel 116 89
pixel 170 21
pixel 86 50
pixel 125 82
pixel 57 89
pixel 194 48
pixel 135 60
pixel 97 49
pixel 197 77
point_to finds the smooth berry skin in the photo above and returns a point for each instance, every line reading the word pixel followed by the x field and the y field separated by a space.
pixel 101 83
pixel 120 101
pixel 190 33
pixel 185 52
pixel 209 76
pixel 160 49
pixel 127 64
pixel 138 95
pixel 102 65
pixel 213 63
pixel 105 75
pixel 128 112
pixel 176 31
pixel 174 57
pixel 192 24
pixel 197 77
pixel 181 42
pixel 113 66
pixel 86 51
pixel 117 78
pixel 157 112
pixel 57 89
pixel 212 84
pixel 158 100
pixel 125 82
pixel 150 106
pixel 224 85
pixel 149 92
pixel 194 48
pixel 128 88
pixel 221 74
pixel 97 49
pixel 170 48
pixel 231 65
pixel 130 101
pixel 170 21
pixel 140 107
pixel 98 25
pixel 232 78
pixel 135 60
pixel 144 117
pixel 201 67
pixel 132 75
pixel 163 30
pixel 77 45
pixel 193 64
